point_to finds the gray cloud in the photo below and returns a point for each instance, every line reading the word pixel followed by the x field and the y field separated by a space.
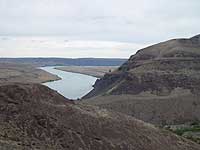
pixel 137 21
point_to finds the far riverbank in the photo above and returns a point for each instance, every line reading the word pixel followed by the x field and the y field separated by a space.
pixel 95 71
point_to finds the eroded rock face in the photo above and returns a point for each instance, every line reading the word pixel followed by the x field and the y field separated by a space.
pixel 160 84
pixel 34 117
pixel 165 66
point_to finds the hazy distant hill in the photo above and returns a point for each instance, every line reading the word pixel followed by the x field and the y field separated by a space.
pixel 159 84
pixel 66 61
pixel 36 117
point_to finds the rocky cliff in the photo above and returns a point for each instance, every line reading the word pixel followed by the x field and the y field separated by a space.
pixel 167 71
pixel 158 69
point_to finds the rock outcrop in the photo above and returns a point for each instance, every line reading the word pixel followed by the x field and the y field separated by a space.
pixel 166 71
pixel 159 69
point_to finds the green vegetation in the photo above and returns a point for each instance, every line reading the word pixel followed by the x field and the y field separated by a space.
pixel 181 131
pixel 191 131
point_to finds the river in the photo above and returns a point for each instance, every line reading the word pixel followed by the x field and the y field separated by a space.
pixel 72 85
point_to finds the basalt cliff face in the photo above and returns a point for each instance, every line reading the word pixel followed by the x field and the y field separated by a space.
pixel 159 84
pixel 34 117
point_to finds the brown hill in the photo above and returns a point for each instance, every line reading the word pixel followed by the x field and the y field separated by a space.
pixel 34 117
pixel 14 72
pixel 159 84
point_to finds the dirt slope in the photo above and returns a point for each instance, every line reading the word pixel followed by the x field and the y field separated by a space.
pixel 34 117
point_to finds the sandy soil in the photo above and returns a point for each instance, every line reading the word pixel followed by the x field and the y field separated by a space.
pixel 96 71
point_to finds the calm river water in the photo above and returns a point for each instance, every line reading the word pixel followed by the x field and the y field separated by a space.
pixel 72 85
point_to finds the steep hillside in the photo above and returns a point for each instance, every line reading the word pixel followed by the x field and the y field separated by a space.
pixel 168 71
pixel 35 117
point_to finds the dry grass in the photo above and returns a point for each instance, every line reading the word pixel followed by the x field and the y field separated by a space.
pixel 23 73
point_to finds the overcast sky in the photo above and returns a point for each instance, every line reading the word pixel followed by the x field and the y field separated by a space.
pixel 92 28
